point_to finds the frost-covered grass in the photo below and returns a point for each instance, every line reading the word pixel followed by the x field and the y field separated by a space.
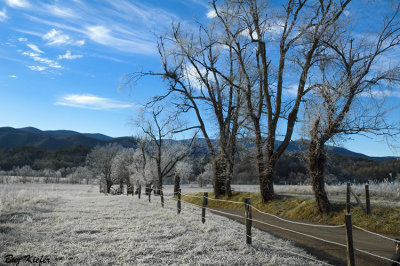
pixel 84 227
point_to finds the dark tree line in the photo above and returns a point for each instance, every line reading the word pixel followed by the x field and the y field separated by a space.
pixel 39 158
pixel 291 169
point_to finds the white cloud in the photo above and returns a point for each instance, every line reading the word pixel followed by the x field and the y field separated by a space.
pixel 18 3
pixel 211 13
pixel 12 76
pixel 382 93
pixel 79 43
pixel 36 57
pixel 291 90
pixel 37 68
pixel 58 37
pixel 59 11
pixel 99 34
pixel 34 48
pixel 22 39
pixel 69 56
pixel 93 102
pixel 3 15
pixel 103 35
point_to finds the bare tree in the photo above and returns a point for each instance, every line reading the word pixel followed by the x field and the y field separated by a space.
pixel 79 174
pixel 347 94
pixel 100 162
pixel 182 172
pixel 137 169
pixel 188 61
pixel 240 59
pixel 266 41
pixel 206 176
pixel 120 167
pixel 164 153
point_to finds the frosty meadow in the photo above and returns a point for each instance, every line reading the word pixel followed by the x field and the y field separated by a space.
pixel 76 225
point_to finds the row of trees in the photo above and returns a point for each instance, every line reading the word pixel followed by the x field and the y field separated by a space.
pixel 75 175
pixel 147 165
pixel 238 69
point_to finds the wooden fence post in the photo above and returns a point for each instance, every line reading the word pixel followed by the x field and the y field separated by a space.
pixel 179 201
pixel 248 220
pixel 349 238
pixel 162 198
pixel 203 210
pixel 348 198
pixel 367 200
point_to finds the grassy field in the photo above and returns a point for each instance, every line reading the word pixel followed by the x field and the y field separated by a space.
pixel 76 225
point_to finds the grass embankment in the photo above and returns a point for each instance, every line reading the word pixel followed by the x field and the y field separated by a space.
pixel 382 220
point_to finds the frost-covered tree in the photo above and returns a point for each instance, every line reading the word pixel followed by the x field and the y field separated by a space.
pixel 162 150
pixel 100 161
pixel 182 172
pixel 24 172
pixel 347 91
pixel 206 176
pixel 240 65
pixel 137 169
pixel 79 174
pixel 121 164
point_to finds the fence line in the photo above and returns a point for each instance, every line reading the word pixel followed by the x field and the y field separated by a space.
pixel 275 216
pixel 226 213
pixel 374 255
pixel 306 224
pixel 311 225
pixel 237 202
pixel 290 230
pixel 261 241
pixel 303 234
pixel 365 230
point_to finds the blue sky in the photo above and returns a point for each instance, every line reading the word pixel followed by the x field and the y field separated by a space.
pixel 61 63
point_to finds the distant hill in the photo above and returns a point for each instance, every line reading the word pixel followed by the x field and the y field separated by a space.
pixel 54 139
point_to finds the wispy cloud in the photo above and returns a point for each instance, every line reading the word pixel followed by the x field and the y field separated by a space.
pixel 36 57
pixel 58 37
pixel 69 56
pixel 18 3
pixel 3 14
pixel 35 48
pixel 120 25
pixel 12 76
pixel 61 11
pixel 382 93
pixel 22 39
pixel 37 68
pixel 103 35
pixel 290 90
pixel 87 101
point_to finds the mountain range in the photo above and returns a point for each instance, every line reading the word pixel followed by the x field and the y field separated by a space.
pixel 55 139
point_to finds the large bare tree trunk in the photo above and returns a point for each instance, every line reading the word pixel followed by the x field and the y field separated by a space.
pixel 108 185
pixel 222 176
pixel 148 188
pixel 177 181
pixel 316 161
pixel 121 186
pixel 218 178
pixel 266 179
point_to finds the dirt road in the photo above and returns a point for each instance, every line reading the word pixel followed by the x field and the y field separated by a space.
pixel 332 253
